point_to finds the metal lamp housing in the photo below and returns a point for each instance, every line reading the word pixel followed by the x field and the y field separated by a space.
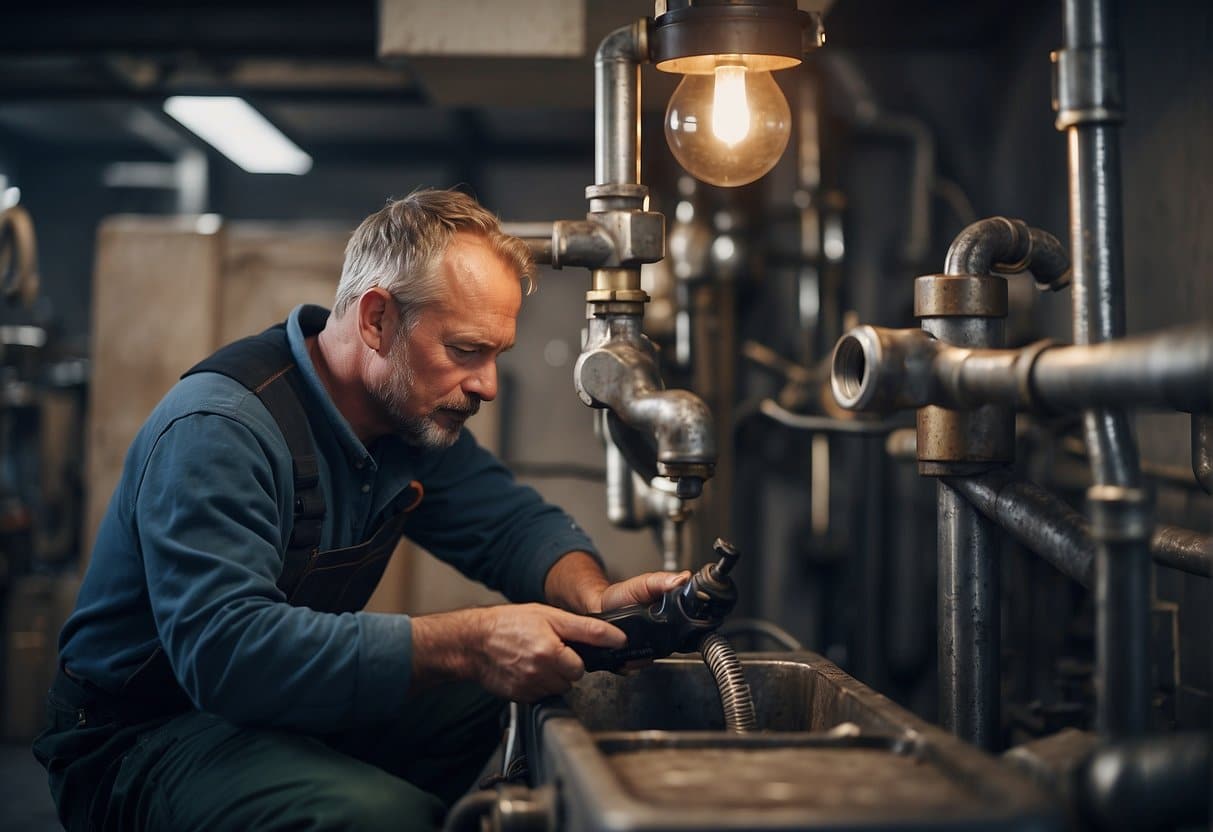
pixel 728 123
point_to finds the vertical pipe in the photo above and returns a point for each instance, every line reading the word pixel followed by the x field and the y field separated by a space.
pixel 1120 526
pixel 968 621
pixel 617 105
pixel 968 602
pixel 1090 109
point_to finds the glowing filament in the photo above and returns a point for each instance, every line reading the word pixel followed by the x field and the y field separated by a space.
pixel 730 110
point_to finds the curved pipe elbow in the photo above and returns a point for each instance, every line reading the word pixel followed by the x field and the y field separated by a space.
pixel 627 44
pixel 681 424
pixel 1007 246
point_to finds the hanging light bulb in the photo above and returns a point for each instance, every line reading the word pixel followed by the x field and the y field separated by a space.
pixel 730 127
pixel 730 111
pixel 728 122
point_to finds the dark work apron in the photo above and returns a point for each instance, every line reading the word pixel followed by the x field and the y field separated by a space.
pixel 89 729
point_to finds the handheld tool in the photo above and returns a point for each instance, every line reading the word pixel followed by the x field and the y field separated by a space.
pixel 676 623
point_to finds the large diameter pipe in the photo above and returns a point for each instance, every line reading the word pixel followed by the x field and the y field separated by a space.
pixel 880 369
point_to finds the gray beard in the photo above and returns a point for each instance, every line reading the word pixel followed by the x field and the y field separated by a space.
pixel 393 394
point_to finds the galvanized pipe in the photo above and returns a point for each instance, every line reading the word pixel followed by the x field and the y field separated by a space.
pixel 617 104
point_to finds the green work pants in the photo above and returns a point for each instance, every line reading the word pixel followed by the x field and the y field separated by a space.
pixel 199 772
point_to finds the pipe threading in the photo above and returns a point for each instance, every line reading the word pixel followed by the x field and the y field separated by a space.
pixel 735 697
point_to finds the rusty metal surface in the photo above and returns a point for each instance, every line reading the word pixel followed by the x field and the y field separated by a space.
pixel 837 779
pixel 960 295
pixel 977 437
pixel 646 752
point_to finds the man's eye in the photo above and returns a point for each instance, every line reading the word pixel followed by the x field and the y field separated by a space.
pixel 462 352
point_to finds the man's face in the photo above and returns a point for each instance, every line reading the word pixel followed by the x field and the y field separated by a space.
pixel 440 371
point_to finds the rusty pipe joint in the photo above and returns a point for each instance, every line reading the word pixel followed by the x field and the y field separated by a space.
pixel 617 371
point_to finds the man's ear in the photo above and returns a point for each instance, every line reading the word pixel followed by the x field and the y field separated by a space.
pixel 378 317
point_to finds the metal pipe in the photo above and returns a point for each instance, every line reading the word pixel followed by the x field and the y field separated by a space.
pixel 1202 448
pixel 1121 525
pixel 1009 246
pixel 884 369
pixel 1041 522
pixel 536 235
pixel 968 620
pixel 618 370
pixel 1035 518
pixel 1090 109
pixel 1158 782
pixel 620 487
pixel 617 104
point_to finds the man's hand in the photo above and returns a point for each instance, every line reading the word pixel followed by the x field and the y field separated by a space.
pixel 645 589
pixel 576 583
pixel 518 652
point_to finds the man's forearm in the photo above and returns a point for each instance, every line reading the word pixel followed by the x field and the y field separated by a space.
pixel 442 645
pixel 575 582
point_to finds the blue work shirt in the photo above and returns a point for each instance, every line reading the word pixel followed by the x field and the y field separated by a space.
pixel 192 545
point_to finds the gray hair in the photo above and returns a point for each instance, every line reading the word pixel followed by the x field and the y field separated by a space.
pixel 400 247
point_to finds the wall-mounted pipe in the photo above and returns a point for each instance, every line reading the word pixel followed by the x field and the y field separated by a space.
pixel 878 369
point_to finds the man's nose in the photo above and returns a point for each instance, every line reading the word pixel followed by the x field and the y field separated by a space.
pixel 483 382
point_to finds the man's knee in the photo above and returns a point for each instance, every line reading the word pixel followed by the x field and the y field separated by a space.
pixel 378 803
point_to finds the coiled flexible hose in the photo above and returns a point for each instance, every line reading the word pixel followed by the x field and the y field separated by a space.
pixel 735 696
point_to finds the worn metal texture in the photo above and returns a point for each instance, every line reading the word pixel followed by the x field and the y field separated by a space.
pixel 964 441
pixel 1052 529
pixel 646 751
pixel 881 369
pixel 960 295
pixel 617 104
pixel 969 604
pixel 1007 246
pixel 618 370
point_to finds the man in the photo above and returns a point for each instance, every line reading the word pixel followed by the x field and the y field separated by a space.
pixel 217 673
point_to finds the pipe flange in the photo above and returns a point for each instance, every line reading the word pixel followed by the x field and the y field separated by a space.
pixel 617 296
pixel 600 309
pixel 960 296
pixel 1119 514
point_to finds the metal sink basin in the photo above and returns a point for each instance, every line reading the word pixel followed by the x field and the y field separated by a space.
pixel 648 752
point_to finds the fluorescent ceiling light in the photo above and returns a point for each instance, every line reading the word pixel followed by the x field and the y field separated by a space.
pixel 235 129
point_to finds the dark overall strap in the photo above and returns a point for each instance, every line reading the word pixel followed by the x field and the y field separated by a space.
pixel 265 365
